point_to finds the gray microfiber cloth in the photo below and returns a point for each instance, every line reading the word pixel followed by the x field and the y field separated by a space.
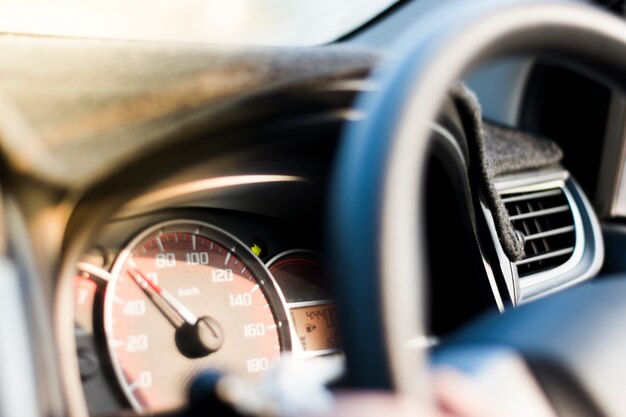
pixel 501 150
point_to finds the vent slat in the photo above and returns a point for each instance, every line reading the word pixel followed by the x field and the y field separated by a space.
pixel 549 233
pixel 539 213
pixel 530 196
pixel 545 256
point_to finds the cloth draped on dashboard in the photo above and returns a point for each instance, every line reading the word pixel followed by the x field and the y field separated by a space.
pixel 501 150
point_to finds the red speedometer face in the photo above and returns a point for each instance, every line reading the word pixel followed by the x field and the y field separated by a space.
pixel 188 297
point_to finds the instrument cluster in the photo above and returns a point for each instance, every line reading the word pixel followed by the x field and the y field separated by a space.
pixel 163 297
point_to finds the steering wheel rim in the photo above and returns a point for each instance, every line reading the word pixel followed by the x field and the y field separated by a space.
pixel 377 211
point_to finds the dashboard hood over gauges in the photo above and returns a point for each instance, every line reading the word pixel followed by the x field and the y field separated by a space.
pixel 120 106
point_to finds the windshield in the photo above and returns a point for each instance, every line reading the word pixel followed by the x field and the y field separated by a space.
pixel 244 22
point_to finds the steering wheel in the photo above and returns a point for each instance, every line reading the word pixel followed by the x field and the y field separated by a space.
pixel 378 220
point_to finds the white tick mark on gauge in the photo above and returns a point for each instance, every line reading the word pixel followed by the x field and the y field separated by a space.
pixel 271 326
pixel 117 343
pixel 132 387
pixel 118 300
pixel 243 270
pixel 158 240
pixel 193 242
pixel 176 237
pixel 227 258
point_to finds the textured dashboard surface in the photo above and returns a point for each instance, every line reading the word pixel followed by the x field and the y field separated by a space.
pixel 72 110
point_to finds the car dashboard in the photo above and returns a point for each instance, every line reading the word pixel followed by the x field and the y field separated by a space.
pixel 244 251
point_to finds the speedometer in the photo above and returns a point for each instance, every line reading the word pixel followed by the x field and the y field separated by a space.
pixel 186 297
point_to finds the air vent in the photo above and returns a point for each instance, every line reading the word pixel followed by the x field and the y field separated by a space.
pixel 562 238
pixel 545 220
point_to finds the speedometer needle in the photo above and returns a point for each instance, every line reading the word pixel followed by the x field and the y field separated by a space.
pixel 144 281
pixel 197 336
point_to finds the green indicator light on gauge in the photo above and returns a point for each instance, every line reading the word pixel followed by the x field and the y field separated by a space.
pixel 257 249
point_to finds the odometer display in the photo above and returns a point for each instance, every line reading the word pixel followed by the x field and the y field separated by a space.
pixel 317 327
pixel 188 297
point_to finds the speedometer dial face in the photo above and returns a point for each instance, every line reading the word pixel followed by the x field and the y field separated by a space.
pixel 188 297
